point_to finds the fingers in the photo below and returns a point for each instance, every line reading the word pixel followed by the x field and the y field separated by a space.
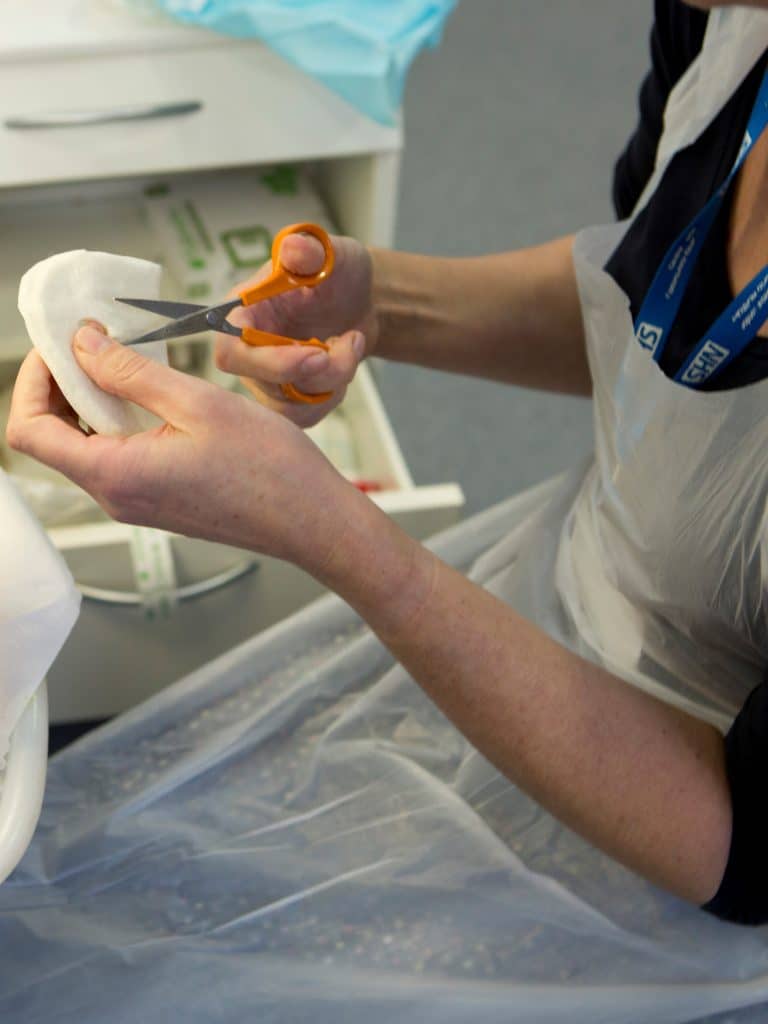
pixel 302 255
pixel 309 369
pixel 42 425
pixel 33 394
pixel 273 364
pixel 121 371
pixel 302 414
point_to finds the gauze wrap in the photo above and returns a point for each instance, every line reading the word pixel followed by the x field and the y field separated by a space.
pixel 58 294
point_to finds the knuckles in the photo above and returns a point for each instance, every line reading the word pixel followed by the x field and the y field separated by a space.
pixel 119 366
pixel 215 405
pixel 128 501
pixel 114 489
pixel 116 494
pixel 114 481
pixel 16 436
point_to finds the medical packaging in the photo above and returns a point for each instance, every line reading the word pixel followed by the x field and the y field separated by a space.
pixel 215 231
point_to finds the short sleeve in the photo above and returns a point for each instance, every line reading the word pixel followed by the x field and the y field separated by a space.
pixel 743 893
pixel 676 39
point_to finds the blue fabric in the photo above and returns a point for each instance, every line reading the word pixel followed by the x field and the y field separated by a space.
pixel 733 331
pixel 361 49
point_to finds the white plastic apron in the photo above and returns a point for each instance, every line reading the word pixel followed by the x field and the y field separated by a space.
pixel 662 561
pixel 296 834
pixel 662 564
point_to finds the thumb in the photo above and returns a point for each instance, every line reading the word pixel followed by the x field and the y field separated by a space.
pixel 123 372
pixel 302 255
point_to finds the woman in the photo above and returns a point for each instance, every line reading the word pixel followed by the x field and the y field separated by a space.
pixel 647 567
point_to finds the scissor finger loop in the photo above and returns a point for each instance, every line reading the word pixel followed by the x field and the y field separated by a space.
pixel 292 393
pixel 281 279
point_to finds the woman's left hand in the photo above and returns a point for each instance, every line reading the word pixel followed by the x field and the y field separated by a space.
pixel 218 467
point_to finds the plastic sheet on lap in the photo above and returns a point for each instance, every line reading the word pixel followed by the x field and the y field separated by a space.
pixel 296 833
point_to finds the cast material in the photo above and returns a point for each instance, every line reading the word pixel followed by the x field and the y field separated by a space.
pixel 58 294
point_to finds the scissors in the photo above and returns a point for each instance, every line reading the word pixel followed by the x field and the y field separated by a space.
pixel 187 318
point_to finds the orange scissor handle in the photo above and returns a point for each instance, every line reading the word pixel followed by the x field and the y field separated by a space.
pixel 282 280
pixel 261 339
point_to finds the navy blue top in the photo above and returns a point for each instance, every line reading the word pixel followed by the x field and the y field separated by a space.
pixel 690 180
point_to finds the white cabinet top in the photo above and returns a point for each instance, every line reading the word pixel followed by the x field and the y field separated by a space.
pixel 88 62
pixel 58 28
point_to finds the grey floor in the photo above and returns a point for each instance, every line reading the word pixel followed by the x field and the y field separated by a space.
pixel 512 128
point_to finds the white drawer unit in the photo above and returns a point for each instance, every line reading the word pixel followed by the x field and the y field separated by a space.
pixel 223 105
pixel 84 95
pixel 95 103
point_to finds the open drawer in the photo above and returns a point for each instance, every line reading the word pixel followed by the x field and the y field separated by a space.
pixel 116 656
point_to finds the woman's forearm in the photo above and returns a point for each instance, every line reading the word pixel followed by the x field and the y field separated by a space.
pixel 640 779
pixel 513 317
pixel 636 777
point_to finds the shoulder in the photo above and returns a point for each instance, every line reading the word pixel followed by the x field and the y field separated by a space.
pixel 677 36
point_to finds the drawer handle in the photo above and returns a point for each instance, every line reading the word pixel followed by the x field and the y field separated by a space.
pixel 192 590
pixel 78 118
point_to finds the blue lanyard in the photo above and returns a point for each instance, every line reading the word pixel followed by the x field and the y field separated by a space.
pixel 737 326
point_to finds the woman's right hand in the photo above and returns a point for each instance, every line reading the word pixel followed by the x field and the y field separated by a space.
pixel 338 311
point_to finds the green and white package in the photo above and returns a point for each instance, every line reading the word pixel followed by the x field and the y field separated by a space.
pixel 216 230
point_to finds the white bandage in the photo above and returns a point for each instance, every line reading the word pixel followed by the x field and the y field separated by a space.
pixel 58 294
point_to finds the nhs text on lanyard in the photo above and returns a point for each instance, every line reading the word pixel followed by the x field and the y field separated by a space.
pixel 730 334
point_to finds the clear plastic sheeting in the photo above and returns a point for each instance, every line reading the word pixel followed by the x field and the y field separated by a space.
pixel 361 49
pixel 295 834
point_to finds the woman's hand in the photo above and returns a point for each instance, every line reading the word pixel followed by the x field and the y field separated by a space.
pixel 339 311
pixel 218 467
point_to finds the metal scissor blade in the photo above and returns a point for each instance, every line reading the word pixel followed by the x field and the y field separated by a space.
pixel 173 310
pixel 160 335
pixel 186 318
pixel 193 323
pixel 201 319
